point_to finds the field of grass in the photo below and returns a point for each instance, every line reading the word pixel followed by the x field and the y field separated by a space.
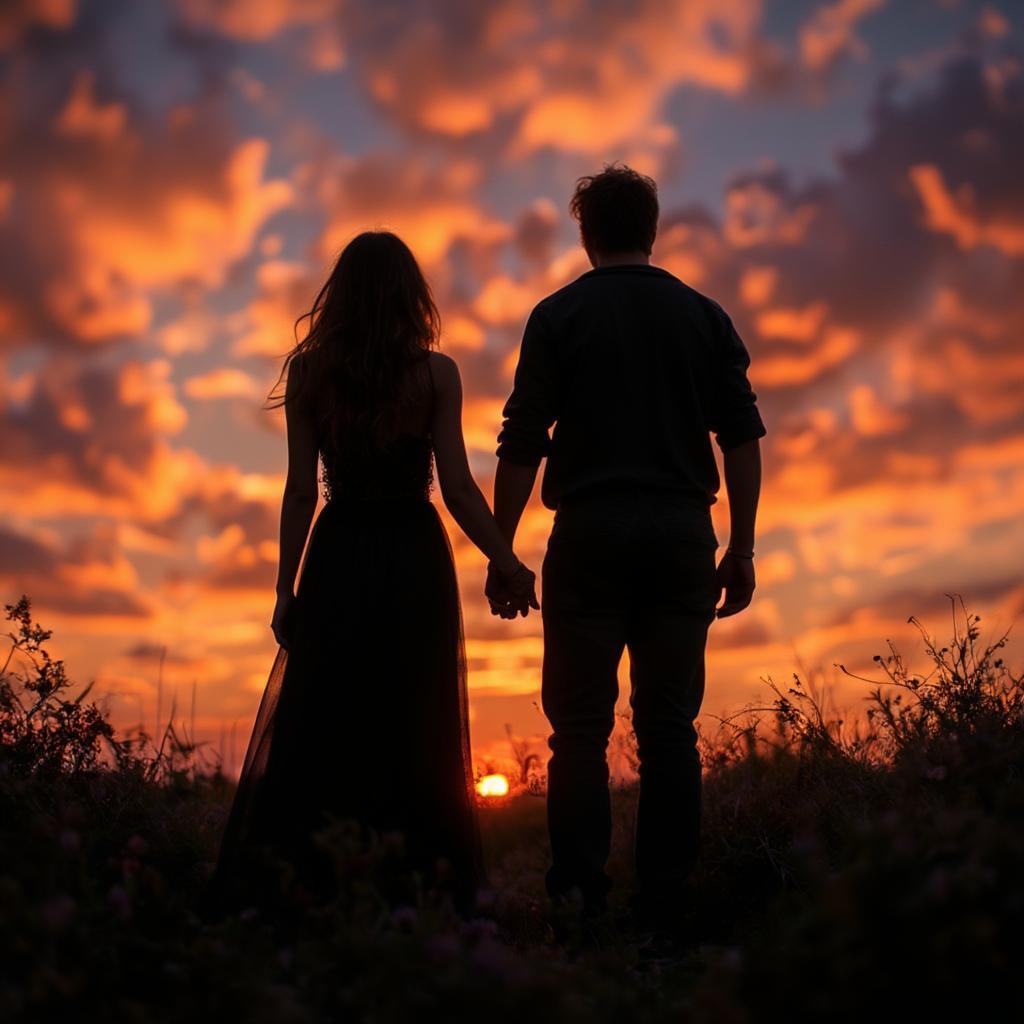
pixel 846 873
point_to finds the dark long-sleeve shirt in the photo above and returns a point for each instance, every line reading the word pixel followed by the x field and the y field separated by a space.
pixel 636 370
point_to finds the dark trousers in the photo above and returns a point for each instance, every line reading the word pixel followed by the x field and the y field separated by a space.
pixel 633 571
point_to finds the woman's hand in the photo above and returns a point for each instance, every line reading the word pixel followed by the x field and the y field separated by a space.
pixel 511 594
pixel 281 622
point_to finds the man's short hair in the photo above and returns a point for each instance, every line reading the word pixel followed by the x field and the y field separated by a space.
pixel 617 210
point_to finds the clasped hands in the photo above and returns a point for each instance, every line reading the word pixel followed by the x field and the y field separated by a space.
pixel 511 594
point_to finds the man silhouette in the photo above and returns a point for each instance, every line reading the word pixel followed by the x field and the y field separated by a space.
pixel 636 370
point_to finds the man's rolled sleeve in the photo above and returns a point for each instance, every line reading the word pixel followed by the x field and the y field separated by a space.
pixel 735 416
pixel 532 406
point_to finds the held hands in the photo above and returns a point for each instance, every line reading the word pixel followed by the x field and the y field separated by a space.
pixel 736 578
pixel 513 593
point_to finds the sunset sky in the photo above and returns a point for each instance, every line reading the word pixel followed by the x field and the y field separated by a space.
pixel 844 177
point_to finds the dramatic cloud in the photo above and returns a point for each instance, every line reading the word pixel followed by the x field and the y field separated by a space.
pixel 94 441
pixel 581 76
pixel 169 208
pixel 89 577
pixel 105 208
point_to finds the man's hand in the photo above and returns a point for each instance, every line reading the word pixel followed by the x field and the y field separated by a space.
pixel 736 578
pixel 512 595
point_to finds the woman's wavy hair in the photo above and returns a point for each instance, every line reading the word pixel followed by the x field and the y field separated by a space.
pixel 373 315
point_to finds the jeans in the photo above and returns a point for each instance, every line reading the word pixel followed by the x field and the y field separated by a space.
pixel 635 571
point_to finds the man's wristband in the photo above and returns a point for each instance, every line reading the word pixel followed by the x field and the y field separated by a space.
pixel 739 554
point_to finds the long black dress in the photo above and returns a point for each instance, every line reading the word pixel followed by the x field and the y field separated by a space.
pixel 365 715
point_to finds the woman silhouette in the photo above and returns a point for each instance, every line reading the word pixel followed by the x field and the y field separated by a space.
pixel 364 715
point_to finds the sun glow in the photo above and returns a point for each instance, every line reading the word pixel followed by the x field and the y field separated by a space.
pixel 493 786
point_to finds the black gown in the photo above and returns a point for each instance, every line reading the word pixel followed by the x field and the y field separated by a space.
pixel 365 715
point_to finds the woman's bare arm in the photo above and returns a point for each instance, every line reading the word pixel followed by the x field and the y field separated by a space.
pixel 300 489
pixel 461 494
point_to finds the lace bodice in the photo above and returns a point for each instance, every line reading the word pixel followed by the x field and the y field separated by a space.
pixel 403 471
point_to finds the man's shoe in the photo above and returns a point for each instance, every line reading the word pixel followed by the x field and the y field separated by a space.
pixel 663 927
pixel 580 923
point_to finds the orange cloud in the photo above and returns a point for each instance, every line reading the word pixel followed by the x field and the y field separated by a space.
pixel 257 19
pixel 268 324
pixel 87 576
pixel 83 115
pixel 223 382
pixel 801 325
pixel 756 214
pixel 106 210
pixel 505 301
pixel 829 33
pixel 757 285
pixel 191 232
pixel 427 204
pixel 870 416
pixel 535 66
pixel 956 214
pixel 785 370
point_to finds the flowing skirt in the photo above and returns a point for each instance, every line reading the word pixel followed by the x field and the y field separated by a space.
pixel 365 715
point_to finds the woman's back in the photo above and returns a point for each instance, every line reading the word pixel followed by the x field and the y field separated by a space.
pixel 398 469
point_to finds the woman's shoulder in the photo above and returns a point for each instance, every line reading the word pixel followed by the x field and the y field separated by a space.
pixel 443 368
pixel 299 365
pixel 298 376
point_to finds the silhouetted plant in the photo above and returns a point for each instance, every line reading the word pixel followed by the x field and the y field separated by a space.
pixel 41 730
pixel 846 869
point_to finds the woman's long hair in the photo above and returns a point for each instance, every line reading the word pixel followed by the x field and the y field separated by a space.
pixel 374 314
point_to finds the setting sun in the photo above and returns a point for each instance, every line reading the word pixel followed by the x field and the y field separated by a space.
pixel 493 785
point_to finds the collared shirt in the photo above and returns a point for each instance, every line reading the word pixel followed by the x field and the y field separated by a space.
pixel 636 370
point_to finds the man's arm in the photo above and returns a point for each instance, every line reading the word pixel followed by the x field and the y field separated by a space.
pixel 738 427
pixel 523 440
pixel 528 414
pixel 743 485
pixel 513 485
pixel 734 417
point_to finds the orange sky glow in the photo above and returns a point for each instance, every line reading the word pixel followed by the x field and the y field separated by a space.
pixel 844 178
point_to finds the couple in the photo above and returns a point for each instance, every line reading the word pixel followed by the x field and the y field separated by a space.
pixel 365 713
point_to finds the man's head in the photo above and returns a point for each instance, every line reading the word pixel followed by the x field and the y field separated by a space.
pixel 617 211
